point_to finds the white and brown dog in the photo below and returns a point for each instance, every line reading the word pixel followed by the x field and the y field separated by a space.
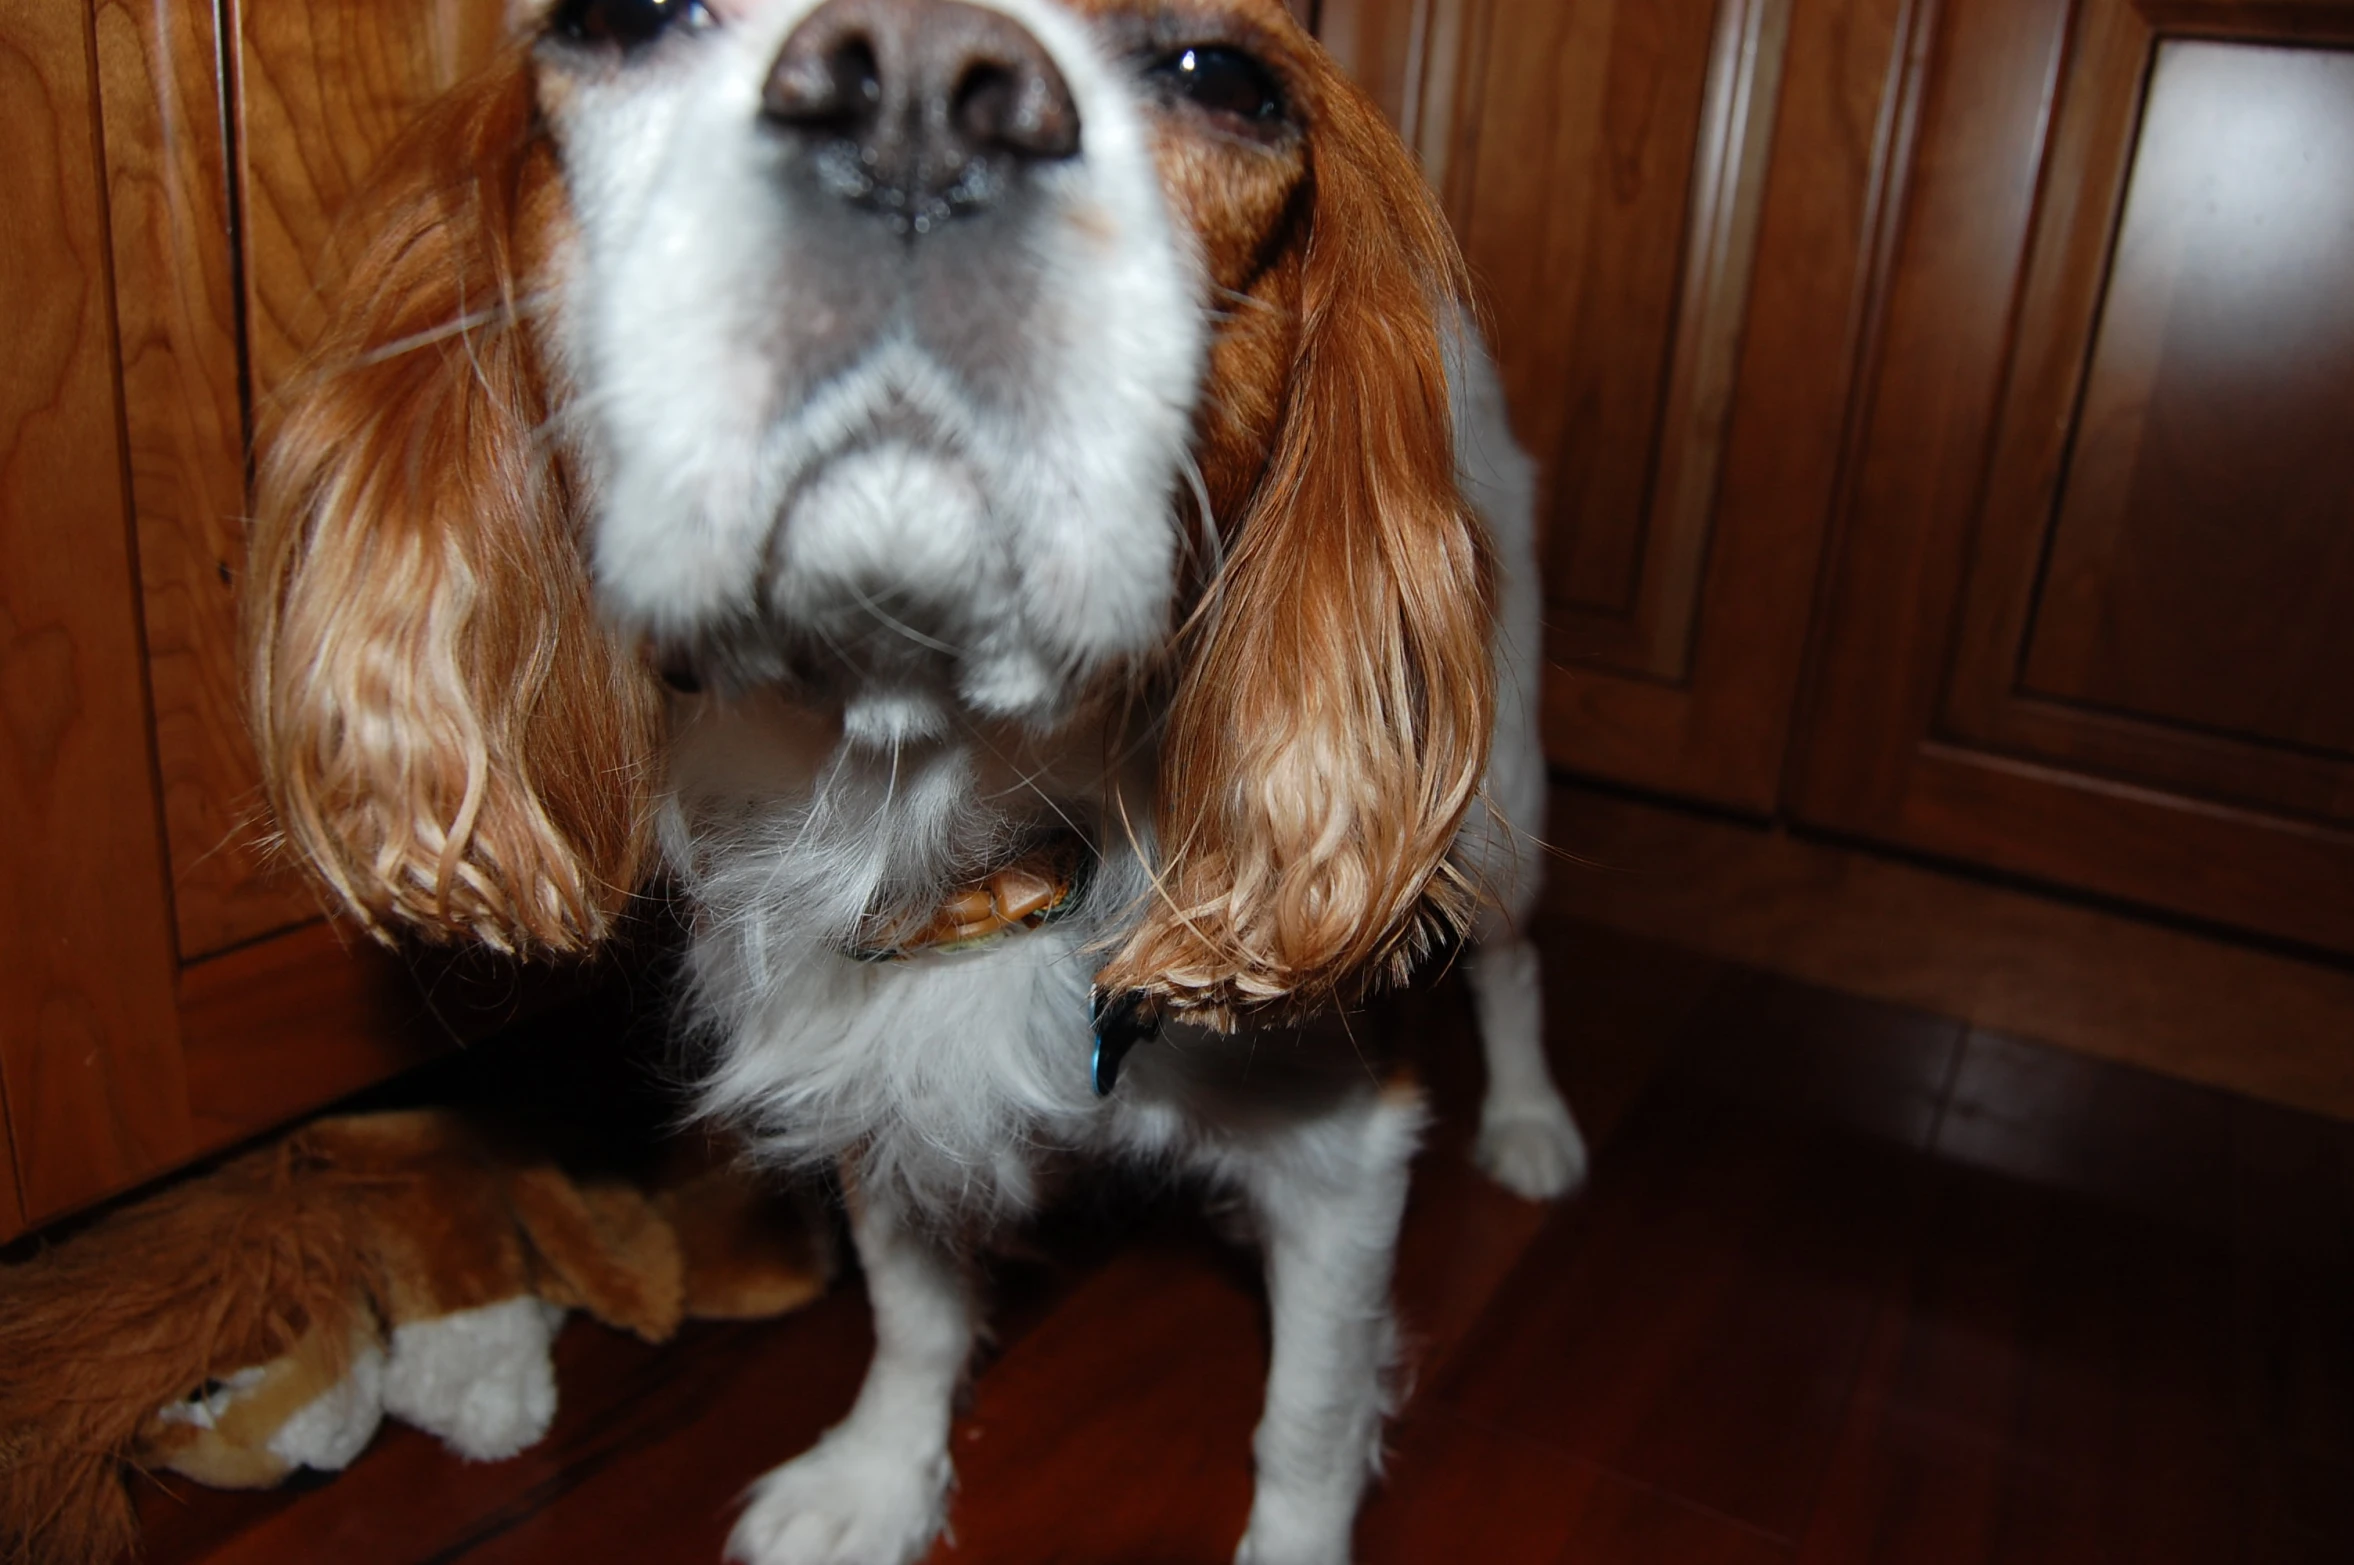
pixel 1041 445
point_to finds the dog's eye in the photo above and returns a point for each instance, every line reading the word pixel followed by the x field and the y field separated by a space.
pixel 625 22
pixel 1223 82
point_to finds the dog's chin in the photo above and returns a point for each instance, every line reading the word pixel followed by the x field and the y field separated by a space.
pixel 891 596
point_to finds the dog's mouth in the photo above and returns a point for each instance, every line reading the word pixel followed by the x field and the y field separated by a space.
pixel 888 590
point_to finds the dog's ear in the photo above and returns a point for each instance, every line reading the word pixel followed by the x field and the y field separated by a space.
pixel 1331 719
pixel 448 734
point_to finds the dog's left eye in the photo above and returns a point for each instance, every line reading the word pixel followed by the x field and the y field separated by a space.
pixel 625 22
pixel 1223 82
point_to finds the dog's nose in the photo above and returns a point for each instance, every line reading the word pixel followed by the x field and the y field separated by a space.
pixel 920 109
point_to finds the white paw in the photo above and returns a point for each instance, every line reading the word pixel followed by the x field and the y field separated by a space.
pixel 1533 1150
pixel 1285 1532
pixel 848 1501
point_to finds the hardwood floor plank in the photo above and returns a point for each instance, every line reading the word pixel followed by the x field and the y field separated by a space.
pixel 1697 1324
pixel 2062 1379
pixel 1794 1052
pixel 2140 1142
pixel 1615 1009
pixel 656 1480
pixel 1459 1490
pixel 1454 1489
pixel 1117 1432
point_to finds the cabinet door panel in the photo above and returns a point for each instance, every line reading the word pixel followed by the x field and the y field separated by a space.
pixel 2095 608
pixel 2213 465
pixel 276 1029
pixel 324 88
pixel 174 239
pixel 12 1209
pixel 1574 219
pixel 150 1013
pixel 89 1041
pixel 1667 206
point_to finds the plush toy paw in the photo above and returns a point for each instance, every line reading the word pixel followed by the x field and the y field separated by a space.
pixel 328 1432
pixel 480 1379
pixel 1533 1150
pixel 309 1407
pixel 848 1501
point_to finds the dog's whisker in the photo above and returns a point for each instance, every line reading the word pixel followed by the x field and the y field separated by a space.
pixel 400 347
pixel 892 623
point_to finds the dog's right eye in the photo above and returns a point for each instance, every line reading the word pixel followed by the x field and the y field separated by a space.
pixel 625 22
pixel 1226 84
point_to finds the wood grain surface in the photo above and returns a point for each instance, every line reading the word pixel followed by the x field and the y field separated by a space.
pixel 1955 710
pixel 185 430
pixel 1574 217
pixel 89 1041
pixel 12 1207
pixel 324 89
pixel 282 1027
pixel 2158 570
pixel 1717 397
pixel 2214 460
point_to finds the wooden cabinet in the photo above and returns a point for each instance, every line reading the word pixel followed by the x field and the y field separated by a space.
pixel 2092 616
pixel 163 990
pixel 1946 414
pixel 91 1072
pixel 1674 279
pixel 1946 411
pixel 1669 206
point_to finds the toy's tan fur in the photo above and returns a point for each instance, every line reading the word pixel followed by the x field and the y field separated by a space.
pixel 349 1227
pixel 227 1271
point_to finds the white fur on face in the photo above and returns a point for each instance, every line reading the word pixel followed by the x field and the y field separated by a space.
pixel 952 460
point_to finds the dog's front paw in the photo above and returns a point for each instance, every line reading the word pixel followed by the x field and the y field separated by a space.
pixel 848 1501
pixel 1296 1531
pixel 1532 1150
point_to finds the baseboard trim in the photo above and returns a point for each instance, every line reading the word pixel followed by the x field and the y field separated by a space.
pixel 2003 958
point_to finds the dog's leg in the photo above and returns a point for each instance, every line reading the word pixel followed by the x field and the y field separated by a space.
pixel 1527 1141
pixel 1327 1198
pixel 874 1490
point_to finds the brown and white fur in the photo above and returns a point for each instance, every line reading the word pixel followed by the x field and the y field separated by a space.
pixel 1008 426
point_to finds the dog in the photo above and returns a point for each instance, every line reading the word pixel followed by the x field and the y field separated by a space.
pixel 1002 504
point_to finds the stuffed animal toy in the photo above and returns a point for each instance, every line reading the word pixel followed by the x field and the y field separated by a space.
pixel 266 1317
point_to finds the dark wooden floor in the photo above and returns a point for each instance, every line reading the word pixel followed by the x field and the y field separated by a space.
pixel 1850 1283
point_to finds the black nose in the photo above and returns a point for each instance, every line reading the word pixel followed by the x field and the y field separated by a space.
pixel 920 109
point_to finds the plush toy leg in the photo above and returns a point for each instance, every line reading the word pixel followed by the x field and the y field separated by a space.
pixel 479 1379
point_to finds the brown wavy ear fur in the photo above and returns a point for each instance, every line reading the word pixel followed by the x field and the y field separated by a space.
pixel 450 738
pixel 1331 720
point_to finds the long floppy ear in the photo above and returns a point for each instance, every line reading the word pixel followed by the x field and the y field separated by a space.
pixel 450 738
pixel 1330 724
